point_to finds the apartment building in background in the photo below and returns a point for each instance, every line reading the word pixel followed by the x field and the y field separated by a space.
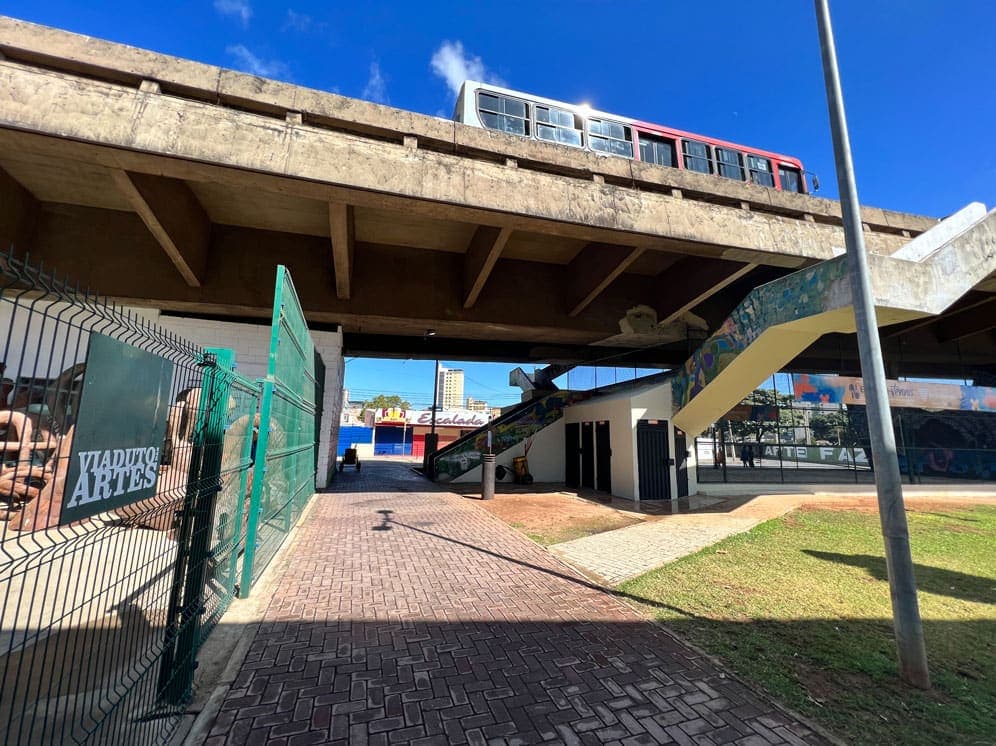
pixel 450 388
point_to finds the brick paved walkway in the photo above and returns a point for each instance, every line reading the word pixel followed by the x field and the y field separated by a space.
pixel 407 615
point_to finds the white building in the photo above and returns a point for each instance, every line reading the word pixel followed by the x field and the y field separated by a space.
pixel 450 388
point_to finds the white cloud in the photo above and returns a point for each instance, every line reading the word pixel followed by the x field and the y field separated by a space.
pixel 250 63
pixel 454 65
pixel 238 8
pixel 376 88
pixel 298 21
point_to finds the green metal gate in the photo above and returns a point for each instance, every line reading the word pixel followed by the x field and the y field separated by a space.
pixel 144 483
pixel 286 448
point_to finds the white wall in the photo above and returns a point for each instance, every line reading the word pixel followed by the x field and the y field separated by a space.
pixel 622 439
pixel 656 404
pixel 546 456
pixel 251 343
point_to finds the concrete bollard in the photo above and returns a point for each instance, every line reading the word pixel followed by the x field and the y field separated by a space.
pixel 488 476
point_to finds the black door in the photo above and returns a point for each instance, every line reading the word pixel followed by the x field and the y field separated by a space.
pixel 681 457
pixel 603 457
pixel 572 454
pixel 587 455
pixel 653 460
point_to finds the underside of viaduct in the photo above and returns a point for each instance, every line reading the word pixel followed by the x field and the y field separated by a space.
pixel 178 185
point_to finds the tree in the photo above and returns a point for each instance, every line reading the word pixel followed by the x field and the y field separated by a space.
pixel 384 402
pixel 830 426
pixel 753 430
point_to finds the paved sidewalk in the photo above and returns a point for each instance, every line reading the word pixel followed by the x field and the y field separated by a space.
pixel 615 556
pixel 624 553
pixel 411 616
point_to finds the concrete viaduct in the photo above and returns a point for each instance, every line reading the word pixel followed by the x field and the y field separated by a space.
pixel 174 184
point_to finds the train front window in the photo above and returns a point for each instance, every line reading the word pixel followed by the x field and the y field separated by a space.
pixel 696 156
pixel 557 125
pixel 790 177
pixel 728 163
pixel 610 137
pixel 503 113
pixel 760 171
pixel 657 150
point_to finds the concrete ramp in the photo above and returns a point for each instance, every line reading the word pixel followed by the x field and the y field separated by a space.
pixel 777 321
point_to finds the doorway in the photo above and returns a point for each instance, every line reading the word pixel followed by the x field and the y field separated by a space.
pixel 587 455
pixel 572 454
pixel 681 458
pixel 603 458
pixel 653 459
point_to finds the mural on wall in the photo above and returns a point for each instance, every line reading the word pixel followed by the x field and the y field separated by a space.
pixel 849 390
pixel 464 454
pixel 809 292
pixel 953 444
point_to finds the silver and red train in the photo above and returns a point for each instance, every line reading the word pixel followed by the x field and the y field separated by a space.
pixel 505 110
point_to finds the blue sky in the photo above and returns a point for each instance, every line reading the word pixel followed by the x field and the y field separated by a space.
pixel 919 80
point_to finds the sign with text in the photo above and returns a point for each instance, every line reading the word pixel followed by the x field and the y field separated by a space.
pixel 919 394
pixel 119 431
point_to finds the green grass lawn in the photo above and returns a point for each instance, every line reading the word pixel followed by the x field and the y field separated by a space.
pixel 800 605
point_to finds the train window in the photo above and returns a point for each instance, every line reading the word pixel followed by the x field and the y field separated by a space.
pixel 728 164
pixel 790 177
pixel 503 113
pixel 657 150
pixel 610 137
pixel 759 170
pixel 696 156
pixel 557 125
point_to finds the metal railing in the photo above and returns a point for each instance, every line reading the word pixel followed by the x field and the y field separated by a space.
pixel 127 499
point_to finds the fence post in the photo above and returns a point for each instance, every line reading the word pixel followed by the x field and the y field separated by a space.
pixel 194 540
pixel 258 477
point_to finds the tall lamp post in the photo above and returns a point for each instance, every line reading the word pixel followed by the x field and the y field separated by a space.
pixel 431 440
pixel 888 480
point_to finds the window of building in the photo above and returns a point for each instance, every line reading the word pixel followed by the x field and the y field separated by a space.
pixel 659 150
pixel 728 164
pixel 759 171
pixel 610 137
pixel 503 113
pixel 557 125
pixel 696 156
pixel 790 177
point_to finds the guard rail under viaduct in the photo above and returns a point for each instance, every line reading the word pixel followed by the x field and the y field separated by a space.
pixel 179 185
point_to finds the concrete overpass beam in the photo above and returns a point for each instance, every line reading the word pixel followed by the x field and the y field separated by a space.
pixel 688 282
pixel 174 216
pixel 485 248
pixel 18 215
pixel 593 270
pixel 342 232
pixel 968 322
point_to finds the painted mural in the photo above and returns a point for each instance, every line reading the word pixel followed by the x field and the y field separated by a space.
pixel 812 291
pixel 849 390
pixel 463 455
pixel 953 444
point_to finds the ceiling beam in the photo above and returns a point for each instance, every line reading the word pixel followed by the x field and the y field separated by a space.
pixel 967 302
pixel 594 269
pixel 18 215
pixel 692 280
pixel 485 248
pixel 174 216
pixel 342 233
pixel 979 318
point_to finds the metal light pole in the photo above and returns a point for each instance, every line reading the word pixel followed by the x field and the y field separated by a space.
pixel 432 440
pixel 888 480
